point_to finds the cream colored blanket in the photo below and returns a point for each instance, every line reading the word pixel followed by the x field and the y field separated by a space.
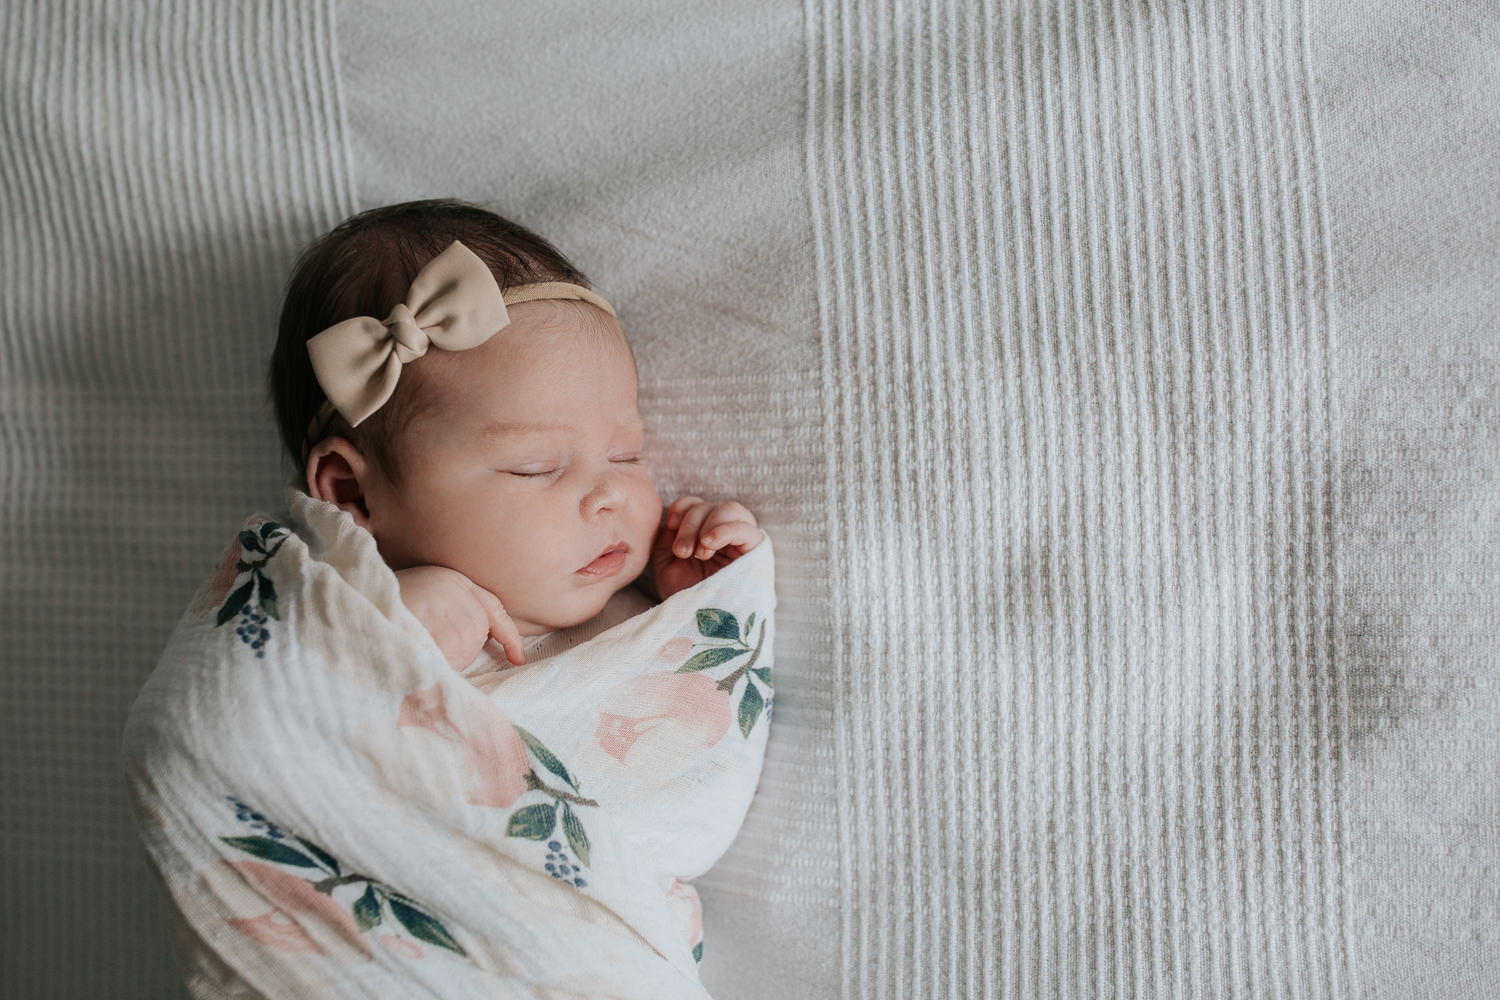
pixel 336 812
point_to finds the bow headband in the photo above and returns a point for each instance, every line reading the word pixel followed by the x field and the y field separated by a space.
pixel 454 304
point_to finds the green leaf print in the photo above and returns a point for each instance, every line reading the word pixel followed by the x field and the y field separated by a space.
pixel 532 822
pixel 577 839
pixel 709 658
pixel 750 707
pixel 698 952
pixel 424 927
pixel 329 862
pixel 236 601
pixel 250 541
pixel 548 759
pixel 764 673
pixel 270 850
pixel 367 910
pixel 716 623
pixel 267 596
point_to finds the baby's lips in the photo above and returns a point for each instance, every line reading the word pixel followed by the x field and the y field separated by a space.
pixel 606 565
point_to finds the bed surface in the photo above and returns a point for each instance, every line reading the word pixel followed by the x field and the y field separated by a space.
pixel 1119 382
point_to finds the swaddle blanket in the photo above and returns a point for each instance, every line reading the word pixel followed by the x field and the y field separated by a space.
pixel 334 811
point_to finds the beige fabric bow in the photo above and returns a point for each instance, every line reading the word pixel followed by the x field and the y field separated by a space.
pixel 453 304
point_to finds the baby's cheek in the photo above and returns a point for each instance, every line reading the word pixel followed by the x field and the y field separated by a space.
pixel 645 516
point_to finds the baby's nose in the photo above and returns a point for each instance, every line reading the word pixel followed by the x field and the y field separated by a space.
pixel 607 494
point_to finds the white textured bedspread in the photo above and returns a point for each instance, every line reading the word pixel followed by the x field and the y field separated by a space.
pixel 1120 383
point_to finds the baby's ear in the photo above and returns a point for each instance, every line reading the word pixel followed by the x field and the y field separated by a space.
pixel 338 472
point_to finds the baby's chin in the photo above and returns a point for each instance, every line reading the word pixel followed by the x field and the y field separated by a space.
pixel 577 611
pixel 567 604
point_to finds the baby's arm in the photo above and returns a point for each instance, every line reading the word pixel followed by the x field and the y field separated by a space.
pixel 460 614
pixel 697 539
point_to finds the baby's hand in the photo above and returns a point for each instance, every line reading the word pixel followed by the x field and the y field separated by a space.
pixel 458 613
pixel 698 539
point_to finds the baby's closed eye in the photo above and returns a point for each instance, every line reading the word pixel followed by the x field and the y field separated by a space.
pixel 545 470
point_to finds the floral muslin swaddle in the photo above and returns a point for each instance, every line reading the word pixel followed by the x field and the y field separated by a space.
pixel 335 812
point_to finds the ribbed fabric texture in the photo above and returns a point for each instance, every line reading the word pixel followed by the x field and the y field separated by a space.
pixel 1074 283
pixel 161 167
pixel 1012 322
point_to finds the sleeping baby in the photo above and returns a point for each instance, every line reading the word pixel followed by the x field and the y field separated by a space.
pixel 502 478
pixel 486 706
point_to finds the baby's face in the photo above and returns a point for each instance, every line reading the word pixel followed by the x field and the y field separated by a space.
pixel 526 474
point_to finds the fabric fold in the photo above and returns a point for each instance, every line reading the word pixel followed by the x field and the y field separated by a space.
pixel 336 812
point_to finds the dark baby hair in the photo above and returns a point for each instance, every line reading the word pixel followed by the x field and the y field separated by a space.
pixel 364 267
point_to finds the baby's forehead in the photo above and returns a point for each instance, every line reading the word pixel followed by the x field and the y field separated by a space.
pixel 512 375
pixel 627 421
pixel 556 331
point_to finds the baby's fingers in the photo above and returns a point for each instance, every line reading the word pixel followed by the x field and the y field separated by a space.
pixel 740 535
pixel 501 626
pixel 679 507
pixel 689 529
pixel 729 523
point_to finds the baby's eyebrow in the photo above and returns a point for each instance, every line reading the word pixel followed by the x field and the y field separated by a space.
pixel 500 428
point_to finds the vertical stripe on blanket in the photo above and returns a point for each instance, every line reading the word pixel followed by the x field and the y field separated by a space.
pixel 1076 343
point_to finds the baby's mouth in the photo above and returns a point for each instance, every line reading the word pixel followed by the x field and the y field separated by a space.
pixel 607 563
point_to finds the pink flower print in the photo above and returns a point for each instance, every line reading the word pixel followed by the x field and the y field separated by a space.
pixel 276 931
pixel 495 762
pixel 425 709
pixel 669 713
pixel 301 918
pixel 216 588
pixel 682 900
pixel 401 946
pixel 675 650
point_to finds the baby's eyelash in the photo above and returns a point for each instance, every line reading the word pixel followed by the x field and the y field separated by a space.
pixel 631 460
